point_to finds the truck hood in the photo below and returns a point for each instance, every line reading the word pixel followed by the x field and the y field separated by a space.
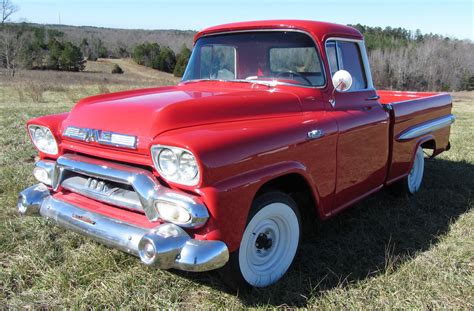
pixel 146 113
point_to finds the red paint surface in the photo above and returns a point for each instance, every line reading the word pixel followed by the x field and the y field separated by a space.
pixel 245 135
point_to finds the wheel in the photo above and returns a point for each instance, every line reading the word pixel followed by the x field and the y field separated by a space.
pixel 268 245
pixel 411 184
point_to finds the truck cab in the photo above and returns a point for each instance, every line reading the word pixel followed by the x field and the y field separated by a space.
pixel 272 120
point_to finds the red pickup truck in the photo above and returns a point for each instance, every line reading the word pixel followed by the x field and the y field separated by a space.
pixel 272 120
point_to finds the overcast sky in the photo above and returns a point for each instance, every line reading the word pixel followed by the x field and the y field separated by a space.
pixel 446 17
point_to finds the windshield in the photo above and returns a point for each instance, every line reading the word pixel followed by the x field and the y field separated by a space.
pixel 284 56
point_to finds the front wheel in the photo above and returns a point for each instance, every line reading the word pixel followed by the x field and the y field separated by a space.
pixel 269 242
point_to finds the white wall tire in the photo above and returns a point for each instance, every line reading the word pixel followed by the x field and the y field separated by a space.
pixel 269 243
pixel 415 177
pixel 411 184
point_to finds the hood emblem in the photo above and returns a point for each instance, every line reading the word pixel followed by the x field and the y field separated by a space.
pixel 101 137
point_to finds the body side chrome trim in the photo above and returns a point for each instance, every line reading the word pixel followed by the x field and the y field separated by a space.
pixel 425 128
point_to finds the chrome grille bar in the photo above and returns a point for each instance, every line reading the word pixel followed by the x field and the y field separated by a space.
pixel 102 192
pixel 142 181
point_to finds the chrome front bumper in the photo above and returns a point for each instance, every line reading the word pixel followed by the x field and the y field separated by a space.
pixel 165 246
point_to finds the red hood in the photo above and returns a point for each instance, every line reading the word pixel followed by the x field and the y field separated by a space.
pixel 146 113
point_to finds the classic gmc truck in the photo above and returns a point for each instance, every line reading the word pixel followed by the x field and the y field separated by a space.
pixel 272 120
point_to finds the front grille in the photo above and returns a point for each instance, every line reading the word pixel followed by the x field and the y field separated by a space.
pixel 117 184
pixel 104 190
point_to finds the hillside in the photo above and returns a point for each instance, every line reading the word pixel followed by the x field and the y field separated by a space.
pixel 114 37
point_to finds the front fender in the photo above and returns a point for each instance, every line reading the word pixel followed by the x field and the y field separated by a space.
pixel 230 200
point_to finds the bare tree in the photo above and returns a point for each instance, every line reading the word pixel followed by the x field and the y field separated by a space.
pixel 12 44
pixel 7 9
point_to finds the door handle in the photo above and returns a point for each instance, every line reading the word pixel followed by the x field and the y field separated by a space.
pixel 375 97
pixel 314 134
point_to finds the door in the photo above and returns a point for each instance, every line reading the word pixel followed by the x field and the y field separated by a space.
pixel 363 143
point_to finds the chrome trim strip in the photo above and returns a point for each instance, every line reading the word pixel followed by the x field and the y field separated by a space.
pixel 145 184
pixel 171 247
pixel 427 127
pixel 281 30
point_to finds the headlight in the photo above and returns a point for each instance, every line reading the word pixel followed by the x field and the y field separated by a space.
pixel 43 139
pixel 176 164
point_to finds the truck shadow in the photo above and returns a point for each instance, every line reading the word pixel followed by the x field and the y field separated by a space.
pixel 376 235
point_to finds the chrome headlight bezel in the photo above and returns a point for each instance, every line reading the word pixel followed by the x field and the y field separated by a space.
pixel 48 135
pixel 179 176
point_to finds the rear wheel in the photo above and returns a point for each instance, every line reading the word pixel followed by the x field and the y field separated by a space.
pixel 269 242
pixel 411 184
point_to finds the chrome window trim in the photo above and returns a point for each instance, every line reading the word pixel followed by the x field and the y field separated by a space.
pixel 318 50
pixel 365 60
pixel 428 127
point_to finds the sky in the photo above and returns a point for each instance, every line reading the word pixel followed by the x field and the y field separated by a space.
pixel 454 18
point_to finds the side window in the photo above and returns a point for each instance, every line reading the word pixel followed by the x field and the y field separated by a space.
pixel 346 55
pixel 332 56
pixel 218 62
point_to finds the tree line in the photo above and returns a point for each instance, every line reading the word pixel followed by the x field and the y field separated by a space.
pixel 161 57
pixel 37 48
pixel 399 58
pixel 405 60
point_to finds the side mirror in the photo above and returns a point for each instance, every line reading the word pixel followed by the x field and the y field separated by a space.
pixel 342 80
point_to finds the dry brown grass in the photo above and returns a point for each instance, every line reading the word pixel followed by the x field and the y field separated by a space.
pixel 96 73
pixel 54 86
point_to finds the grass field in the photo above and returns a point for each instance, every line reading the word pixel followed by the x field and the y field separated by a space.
pixel 386 252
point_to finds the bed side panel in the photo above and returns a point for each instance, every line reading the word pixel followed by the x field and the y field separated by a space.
pixel 410 114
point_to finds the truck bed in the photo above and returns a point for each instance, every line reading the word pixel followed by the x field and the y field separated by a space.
pixel 388 97
pixel 416 117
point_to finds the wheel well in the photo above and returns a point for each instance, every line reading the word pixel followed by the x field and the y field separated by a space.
pixel 430 144
pixel 295 186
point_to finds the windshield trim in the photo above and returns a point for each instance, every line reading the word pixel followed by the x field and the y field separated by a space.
pixel 272 83
pixel 318 51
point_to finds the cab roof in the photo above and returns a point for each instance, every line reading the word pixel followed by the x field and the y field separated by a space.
pixel 319 30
